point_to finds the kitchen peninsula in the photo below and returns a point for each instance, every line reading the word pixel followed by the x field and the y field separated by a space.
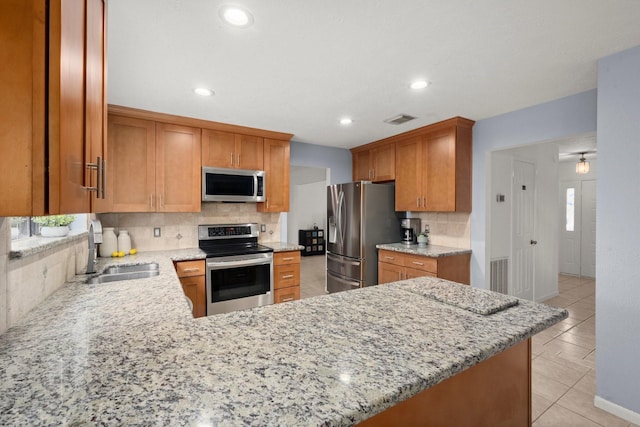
pixel 130 353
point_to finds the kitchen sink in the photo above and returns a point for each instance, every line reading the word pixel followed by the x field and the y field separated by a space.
pixel 117 273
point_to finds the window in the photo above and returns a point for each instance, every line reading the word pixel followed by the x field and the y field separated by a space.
pixel 570 209
pixel 23 227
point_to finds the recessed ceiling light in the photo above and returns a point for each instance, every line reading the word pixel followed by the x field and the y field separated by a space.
pixel 236 16
pixel 419 84
pixel 202 91
pixel 346 121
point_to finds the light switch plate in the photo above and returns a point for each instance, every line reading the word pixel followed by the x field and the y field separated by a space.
pixel 263 227
pixel 156 231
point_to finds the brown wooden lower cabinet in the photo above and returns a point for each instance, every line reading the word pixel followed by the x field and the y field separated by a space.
pixel 495 392
pixel 394 266
pixel 286 276
pixel 192 279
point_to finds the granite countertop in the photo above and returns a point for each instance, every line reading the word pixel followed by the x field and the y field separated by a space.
pixel 283 246
pixel 434 251
pixel 129 353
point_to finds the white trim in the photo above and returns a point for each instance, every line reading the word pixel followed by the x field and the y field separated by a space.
pixel 617 410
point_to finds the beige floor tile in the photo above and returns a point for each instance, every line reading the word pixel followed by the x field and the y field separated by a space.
pixel 582 403
pixel 539 404
pixel 559 348
pixel 557 416
pixel 580 291
pixel 587 341
pixel 580 311
pixel 561 301
pixel 547 387
pixel 587 384
pixel 561 372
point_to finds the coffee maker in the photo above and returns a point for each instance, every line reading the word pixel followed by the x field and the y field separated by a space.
pixel 410 229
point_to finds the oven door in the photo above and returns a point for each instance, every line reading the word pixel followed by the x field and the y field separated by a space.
pixel 239 282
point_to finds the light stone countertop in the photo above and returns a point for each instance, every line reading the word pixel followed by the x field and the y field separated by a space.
pixel 129 353
pixel 433 251
pixel 283 246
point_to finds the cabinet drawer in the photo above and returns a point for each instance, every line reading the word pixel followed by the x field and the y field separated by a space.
pixel 282 258
pixel 190 268
pixel 421 263
pixel 286 294
pixel 391 257
pixel 286 275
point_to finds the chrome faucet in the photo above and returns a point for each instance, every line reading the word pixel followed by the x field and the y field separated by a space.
pixel 95 236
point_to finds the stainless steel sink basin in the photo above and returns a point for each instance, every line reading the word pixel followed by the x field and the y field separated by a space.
pixel 116 273
pixel 133 268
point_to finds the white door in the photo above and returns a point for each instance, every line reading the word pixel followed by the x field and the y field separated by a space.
pixel 522 233
pixel 588 233
pixel 570 204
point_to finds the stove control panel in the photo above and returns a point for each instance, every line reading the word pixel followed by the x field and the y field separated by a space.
pixel 222 231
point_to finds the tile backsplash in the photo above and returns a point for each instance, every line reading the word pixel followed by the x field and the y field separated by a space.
pixel 447 229
pixel 180 230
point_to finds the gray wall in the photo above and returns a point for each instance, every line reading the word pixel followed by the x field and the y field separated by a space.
pixel 618 232
pixel 337 160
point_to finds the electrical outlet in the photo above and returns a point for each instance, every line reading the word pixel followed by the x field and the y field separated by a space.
pixel 156 231
pixel 263 227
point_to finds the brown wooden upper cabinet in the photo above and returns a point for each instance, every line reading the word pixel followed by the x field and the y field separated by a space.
pixel 154 167
pixel 375 163
pixel 230 150
pixel 276 168
pixel 52 106
pixel 433 170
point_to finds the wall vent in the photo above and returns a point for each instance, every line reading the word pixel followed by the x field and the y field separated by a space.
pixel 398 120
pixel 500 275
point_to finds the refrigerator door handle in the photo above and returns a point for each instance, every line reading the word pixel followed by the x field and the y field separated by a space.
pixel 342 217
pixel 343 260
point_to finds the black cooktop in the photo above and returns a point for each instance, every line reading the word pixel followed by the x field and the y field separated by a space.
pixel 216 249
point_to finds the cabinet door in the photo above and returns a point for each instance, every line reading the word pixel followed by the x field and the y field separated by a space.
pixel 383 163
pixel 132 167
pixel 276 167
pixel 362 165
pixel 95 102
pixel 249 152
pixel 412 273
pixel 440 171
pixel 66 107
pixel 22 107
pixel 194 289
pixel 178 177
pixel 218 148
pixel 388 273
pixel 409 174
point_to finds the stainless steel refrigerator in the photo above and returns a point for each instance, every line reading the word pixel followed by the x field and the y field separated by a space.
pixel 360 215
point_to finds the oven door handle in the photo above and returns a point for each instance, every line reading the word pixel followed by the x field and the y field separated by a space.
pixel 238 263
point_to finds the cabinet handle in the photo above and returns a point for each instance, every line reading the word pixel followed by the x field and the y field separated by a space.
pixel 238 160
pixel 389 257
pixel 267 202
pixel 417 202
pixel 288 259
pixel 99 187
pixel 104 178
pixel 424 202
pixel 287 299
pixel 151 200
pixel 159 201
pixel 189 270
pixel 417 263
pixel 231 159
pixel 287 276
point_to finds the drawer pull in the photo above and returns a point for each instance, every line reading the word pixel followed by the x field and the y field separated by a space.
pixel 287 276
pixel 189 270
pixel 288 259
pixel 389 257
pixel 417 263
pixel 287 299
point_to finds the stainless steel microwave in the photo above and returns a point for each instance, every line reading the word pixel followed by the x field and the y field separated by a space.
pixel 232 185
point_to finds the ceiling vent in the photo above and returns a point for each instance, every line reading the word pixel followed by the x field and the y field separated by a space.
pixel 400 119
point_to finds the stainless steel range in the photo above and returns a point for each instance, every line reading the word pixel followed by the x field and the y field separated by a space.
pixel 239 270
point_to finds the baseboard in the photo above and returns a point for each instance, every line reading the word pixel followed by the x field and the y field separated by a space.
pixel 549 296
pixel 617 410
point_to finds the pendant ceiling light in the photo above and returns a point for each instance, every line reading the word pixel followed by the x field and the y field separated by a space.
pixel 583 165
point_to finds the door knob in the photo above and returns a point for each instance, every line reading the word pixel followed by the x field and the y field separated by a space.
pixel 534 242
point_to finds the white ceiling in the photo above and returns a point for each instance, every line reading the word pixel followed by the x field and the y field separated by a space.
pixel 303 65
